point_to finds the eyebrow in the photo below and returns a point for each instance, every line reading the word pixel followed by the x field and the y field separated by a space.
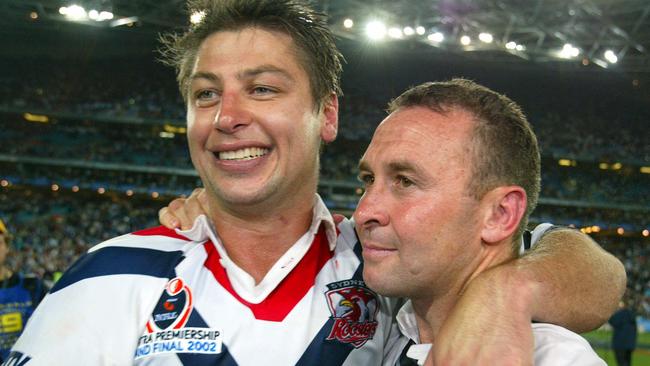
pixel 394 166
pixel 402 166
pixel 246 74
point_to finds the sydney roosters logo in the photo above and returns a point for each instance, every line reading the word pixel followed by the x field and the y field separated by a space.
pixel 354 309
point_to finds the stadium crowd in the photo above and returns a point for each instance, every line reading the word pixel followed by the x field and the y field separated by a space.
pixel 106 131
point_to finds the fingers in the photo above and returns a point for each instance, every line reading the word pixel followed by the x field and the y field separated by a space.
pixel 168 215
pixel 337 218
pixel 192 208
pixel 181 212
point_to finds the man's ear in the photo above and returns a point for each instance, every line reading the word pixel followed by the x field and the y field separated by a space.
pixel 503 209
pixel 330 124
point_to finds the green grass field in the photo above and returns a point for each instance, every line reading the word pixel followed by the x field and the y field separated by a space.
pixel 601 339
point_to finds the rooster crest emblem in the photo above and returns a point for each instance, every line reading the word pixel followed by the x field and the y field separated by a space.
pixel 354 310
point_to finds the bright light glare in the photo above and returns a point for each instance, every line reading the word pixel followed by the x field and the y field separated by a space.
pixel 486 37
pixel 436 37
pixel 520 47
pixel 465 40
pixel 568 51
pixel 75 12
pixel 348 23
pixel 93 14
pixel 376 30
pixel 409 31
pixel 611 57
pixel 63 10
pixel 420 30
pixel 105 15
pixel 511 45
pixel 395 33
pixel 197 17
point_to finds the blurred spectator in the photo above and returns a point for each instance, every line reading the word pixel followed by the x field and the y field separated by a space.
pixel 19 295
pixel 624 338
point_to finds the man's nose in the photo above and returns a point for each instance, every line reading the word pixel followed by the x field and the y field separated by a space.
pixel 371 210
pixel 233 114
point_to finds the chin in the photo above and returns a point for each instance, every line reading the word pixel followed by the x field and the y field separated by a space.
pixel 377 281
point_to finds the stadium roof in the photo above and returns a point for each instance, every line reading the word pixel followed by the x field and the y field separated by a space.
pixel 541 28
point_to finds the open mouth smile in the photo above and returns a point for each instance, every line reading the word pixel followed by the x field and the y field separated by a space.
pixel 248 153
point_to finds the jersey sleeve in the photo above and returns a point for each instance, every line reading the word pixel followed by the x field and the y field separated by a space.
pixel 557 346
pixel 96 312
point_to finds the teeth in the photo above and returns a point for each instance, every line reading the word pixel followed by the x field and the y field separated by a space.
pixel 243 154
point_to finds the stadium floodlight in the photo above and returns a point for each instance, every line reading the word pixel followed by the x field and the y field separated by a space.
pixel 93 14
pixel 436 37
pixel 409 31
pixel 465 40
pixel 520 48
pixel 197 17
pixel 568 51
pixel 485 37
pixel 611 57
pixel 75 12
pixel 420 30
pixel 511 45
pixel 105 15
pixel 395 32
pixel 348 23
pixel 375 30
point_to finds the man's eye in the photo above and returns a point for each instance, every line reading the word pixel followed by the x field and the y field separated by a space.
pixel 366 179
pixel 404 181
pixel 206 98
pixel 206 94
pixel 262 90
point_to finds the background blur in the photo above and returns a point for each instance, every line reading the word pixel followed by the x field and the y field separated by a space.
pixel 92 136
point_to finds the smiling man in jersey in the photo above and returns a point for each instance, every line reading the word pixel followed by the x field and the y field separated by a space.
pixel 266 276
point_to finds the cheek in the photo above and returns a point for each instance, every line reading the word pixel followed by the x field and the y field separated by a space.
pixel 197 132
pixel 417 235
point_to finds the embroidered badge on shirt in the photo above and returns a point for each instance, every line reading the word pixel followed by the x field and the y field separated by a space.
pixel 166 331
pixel 174 307
pixel 354 309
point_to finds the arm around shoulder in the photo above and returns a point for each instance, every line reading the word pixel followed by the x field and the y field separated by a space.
pixel 574 282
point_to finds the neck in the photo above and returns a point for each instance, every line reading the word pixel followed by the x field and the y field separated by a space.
pixel 430 315
pixel 432 311
pixel 255 242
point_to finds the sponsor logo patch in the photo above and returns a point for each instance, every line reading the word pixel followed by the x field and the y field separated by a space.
pixel 354 309
pixel 166 331
pixel 174 307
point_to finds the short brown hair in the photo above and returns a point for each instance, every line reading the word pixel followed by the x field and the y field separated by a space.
pixel 308 28
pixel 505 150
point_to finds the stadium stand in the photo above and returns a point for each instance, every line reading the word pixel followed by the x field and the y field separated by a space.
pixel 92 151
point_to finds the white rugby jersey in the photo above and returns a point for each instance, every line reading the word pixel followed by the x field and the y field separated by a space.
pixel 160 297
pixel 554 345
